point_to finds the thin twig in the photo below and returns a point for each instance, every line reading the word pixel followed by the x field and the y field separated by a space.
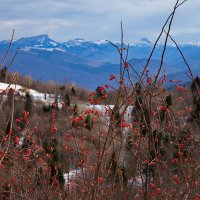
pixel 8 50
pixel 185 61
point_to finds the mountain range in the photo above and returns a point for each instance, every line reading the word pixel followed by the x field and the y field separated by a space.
pixel 89 63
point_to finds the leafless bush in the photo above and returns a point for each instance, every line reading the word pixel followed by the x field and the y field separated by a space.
pixel 107 152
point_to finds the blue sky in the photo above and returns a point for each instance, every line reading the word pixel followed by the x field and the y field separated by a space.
pixel 98 19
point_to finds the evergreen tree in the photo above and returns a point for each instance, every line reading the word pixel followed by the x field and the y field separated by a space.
pixel 54 144
pixel 194 85
pixel 137 112
pixel 3 74
pixel 75 110
pixel 28 102
pixel 100 92
pixel 195 115
pixel 138 104
pixel 162 115
pixel 73 91
pixel 8 127
pixel 6 192
pixel 62 88
pixel 46 108
pixel 45 146
pixel 168 100
pixel 138 88
pixel 56 168
pixel 67 99
pixel 60 176
pixel 55 104
pixel 88 122
pixel 54 162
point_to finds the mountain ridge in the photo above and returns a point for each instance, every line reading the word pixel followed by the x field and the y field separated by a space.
pixel 89 63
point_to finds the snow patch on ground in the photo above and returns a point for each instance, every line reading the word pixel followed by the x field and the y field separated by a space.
pixel 37 96
pixel 103 109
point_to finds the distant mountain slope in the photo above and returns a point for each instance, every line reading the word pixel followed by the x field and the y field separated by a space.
pixel 89 63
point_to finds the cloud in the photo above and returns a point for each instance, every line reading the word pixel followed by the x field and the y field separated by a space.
pixel 97 19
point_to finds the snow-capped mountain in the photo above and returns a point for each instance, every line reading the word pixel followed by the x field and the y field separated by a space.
pixel 81 42
pixel 39 41
pixel 89 63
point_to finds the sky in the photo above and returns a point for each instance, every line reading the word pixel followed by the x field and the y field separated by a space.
pixel 63 20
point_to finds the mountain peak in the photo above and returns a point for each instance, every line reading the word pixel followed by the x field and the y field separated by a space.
pixel 36 41
pixel 74 42
pixel 42 37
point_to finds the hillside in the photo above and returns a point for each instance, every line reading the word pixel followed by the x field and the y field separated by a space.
pixel 89 63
